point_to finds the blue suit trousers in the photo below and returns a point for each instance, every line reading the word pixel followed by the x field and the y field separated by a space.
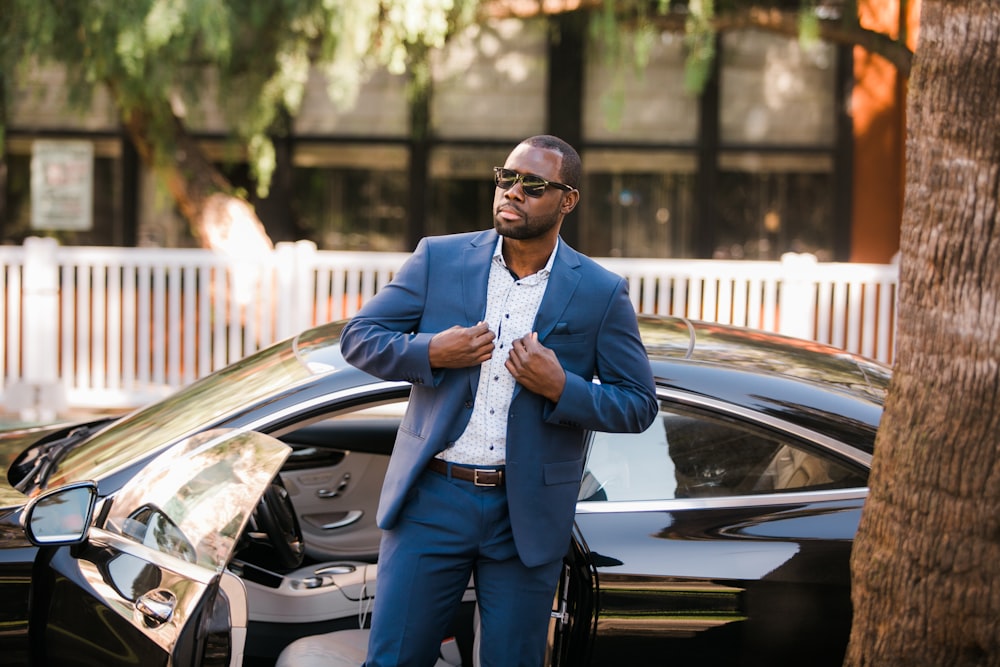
pixel 449 531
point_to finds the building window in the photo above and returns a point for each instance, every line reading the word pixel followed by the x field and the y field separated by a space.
pixel 771 165
pixel 352 196
pixel 777 131
pixel 461 187
pixel 775 91
pixel 774 208
pixel 490 82
pixel 636 204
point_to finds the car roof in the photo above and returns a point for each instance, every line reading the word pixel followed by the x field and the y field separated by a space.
pixel 763 351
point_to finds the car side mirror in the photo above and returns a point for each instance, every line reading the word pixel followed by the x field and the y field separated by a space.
pixel 61 516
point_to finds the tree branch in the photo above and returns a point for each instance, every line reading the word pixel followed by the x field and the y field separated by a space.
pixel 836 31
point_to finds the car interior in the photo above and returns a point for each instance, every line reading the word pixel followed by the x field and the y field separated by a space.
pixel 322 593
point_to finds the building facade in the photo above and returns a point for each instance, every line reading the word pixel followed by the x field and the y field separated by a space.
pixel 790 146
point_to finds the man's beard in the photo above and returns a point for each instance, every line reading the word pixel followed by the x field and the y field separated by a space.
pixel 530 227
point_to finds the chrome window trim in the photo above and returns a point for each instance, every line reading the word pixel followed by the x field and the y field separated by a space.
pixel 848 452
pixel 322 401
pixel 723 502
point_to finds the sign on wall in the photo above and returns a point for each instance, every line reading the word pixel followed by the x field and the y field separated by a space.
pixel 62 185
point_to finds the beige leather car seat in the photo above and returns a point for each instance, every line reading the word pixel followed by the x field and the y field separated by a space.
pixel 344 648
pixel 795 469
pixel 347 648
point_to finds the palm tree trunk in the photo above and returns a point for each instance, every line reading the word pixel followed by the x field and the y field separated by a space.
pixel 926 562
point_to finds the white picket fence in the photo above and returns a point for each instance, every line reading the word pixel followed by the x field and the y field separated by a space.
pixel 96 327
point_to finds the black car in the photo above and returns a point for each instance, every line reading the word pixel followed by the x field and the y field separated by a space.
pixel 236 517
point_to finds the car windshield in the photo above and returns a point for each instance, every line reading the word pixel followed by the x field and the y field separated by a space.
pixel 200 404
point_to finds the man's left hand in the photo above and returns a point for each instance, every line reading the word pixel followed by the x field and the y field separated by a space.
pixel 536 367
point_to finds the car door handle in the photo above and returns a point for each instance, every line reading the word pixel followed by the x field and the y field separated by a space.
pixel 156 606
pixel 348 518
pixel 333 493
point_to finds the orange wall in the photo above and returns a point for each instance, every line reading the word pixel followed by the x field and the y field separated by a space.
pixel 878 106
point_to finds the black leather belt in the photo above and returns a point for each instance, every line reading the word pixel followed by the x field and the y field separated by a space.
pixel 478 476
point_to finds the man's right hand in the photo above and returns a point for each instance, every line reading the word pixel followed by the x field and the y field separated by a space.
pixel 461 347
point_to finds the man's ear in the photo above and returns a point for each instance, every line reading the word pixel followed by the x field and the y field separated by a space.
pixel 569 202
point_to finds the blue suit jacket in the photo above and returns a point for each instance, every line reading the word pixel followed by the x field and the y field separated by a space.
pixel 585 317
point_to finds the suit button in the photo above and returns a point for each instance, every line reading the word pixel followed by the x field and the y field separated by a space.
pixel 468 405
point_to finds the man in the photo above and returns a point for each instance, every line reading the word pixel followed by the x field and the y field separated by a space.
pixel 501 333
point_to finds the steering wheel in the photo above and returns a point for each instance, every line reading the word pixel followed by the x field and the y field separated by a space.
pixel 275 517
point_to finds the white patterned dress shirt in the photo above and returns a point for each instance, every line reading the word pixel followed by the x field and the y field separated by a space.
pixel 511 306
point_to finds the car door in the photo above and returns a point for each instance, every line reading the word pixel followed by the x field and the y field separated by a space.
pixel 334 477
pixel 713 539
pixel 149 586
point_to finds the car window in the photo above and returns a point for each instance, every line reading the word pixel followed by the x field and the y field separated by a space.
pixel 698 456
pixel 193 500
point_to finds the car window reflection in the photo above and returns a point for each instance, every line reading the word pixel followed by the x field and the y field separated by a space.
pixel 152 528
pixel 193 500
pixel 699 456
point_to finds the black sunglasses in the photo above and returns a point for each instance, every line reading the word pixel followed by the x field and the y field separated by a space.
pixel 533 186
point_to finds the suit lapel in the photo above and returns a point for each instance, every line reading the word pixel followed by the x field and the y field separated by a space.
pixel 563 282
pixel 475 278
pixel 476 259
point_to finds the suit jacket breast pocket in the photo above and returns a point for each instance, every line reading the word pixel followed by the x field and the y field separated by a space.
pixel 562 340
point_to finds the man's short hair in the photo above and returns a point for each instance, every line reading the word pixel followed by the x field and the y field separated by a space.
pixel 571 171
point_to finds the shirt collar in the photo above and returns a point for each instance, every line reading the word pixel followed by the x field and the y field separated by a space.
pixel 542 273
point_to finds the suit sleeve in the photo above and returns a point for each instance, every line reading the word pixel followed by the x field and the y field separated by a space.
pixel 624 399
pixel 382 337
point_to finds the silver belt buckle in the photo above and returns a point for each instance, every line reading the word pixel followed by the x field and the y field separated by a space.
pixel 476 481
